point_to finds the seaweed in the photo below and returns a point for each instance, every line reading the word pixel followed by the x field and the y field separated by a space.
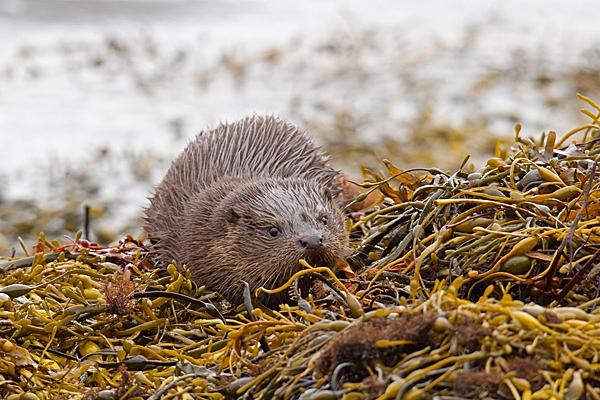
pixel 473 283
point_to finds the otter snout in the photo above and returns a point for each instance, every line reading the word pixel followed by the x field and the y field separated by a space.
pixel 310 242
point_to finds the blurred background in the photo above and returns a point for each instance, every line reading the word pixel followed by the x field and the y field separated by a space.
pixel 97 96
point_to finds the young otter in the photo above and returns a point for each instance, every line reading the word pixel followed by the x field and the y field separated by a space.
pixel 247 201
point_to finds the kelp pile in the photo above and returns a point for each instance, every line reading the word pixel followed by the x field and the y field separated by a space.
pixel 528 219
pixel 476 284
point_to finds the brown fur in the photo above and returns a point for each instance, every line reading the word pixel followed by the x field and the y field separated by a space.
pixel 219 200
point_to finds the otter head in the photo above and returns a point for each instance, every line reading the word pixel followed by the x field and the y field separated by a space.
pixel 261 229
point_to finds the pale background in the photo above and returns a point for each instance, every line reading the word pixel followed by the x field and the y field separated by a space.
pixel 97 96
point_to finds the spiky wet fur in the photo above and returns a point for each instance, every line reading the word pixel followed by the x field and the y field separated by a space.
pixel 215 207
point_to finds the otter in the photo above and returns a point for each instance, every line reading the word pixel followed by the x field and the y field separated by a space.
pixel 247 201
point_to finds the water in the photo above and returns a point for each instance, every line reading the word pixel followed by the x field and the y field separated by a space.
pixel 107 92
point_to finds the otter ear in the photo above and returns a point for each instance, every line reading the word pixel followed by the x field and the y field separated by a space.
pixel 231 215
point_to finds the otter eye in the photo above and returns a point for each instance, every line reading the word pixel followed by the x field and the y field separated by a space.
pixel 324 221
pixel 273 232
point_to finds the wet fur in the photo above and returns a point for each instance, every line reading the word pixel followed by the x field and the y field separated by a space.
pixel 215 206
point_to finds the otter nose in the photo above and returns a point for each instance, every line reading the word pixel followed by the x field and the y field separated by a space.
pixel 311 242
